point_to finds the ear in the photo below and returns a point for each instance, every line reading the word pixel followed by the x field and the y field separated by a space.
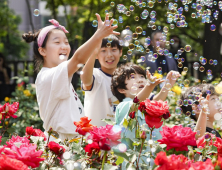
pixel 151 42
pixel 121 52
pixel 123 91
pixel 42 51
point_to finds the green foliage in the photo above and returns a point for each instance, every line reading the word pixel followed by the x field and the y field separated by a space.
pixel 10 38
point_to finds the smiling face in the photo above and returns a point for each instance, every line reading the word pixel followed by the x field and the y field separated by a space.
pixel 157 40
pixel 57 49
pixel 108 58
pixel 134 85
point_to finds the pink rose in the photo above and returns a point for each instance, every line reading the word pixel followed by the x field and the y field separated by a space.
pixel 207 165
pixel 178 137
pixel 7 163
pixel 34 132
pixel 17 139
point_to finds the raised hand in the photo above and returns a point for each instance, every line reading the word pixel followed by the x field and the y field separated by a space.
pixel 172 77
pixel 105 28
pixel 152 79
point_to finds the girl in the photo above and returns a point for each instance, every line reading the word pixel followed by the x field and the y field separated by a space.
pixel 58 102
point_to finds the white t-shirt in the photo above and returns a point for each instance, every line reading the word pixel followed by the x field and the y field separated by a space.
pixel 58 102
pixel 99 102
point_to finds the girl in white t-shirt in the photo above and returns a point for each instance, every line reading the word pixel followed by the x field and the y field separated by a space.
pixel 58 102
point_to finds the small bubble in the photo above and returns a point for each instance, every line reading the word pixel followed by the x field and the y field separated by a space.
pixel 196 65
pixel 201 69
pixel 95 23
pixel 178 110
pixel 131 8
pixel 133 90
pixel 115 22
pixel 36 12
pixel 112 4
pixel 213 27
pixel 136 18
pixel 187 48
pixel 143 58
pixel 139 30
pixel 124 57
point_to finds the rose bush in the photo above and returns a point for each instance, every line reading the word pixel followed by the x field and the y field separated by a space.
pixel 83 126
pixel 178 137
pixel 34 132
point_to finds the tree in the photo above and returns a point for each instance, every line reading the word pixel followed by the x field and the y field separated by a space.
pixel 10 37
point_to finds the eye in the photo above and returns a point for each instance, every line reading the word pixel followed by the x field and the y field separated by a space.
pixel 113 50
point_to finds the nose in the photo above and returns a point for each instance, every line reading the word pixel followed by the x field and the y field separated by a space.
pixel 109 53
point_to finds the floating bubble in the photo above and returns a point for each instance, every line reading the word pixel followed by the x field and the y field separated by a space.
pixel 129 52
pixel 215 62
pixel 188 113
pixel 122 147
pixel 116 128
pixel 128 38
pixel 143 58
pixel 180 102
pixel 144 33
pixel 112 4
pixel 196 65
pixel 121 43
pixel 164 61
pixel 131 8
pixel 108 45
pixel 217 116
pixel 66 155
pixel 165 29
pixel 36 12
pixel 180 65
pixel 95 23
pixel 144 14
pixel 77 166
pixel 124 57
pixel 131 46
pixel 211 62
pixel 139 30
pixel 201 69
pixel 204 61
pixel 213 27
pixel 136 42
pixel 135 36
pixel 176 56
pixel 178 110
pixel 133 90
pixel 187 48
pixel 172 41
pixel 185 69
pixel 128 13
pixel 136 18
pixel 150 4
pixel 186 82
pixel 107 23
pixel 185 103
pixel 115 22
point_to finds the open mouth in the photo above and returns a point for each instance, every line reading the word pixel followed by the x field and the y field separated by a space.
pixel 110 61
pixel 141 86
pixel 62 56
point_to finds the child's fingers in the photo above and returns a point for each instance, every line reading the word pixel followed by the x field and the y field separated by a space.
pixel 111 22
pixel 98 18
pixel 208 97
pixel 115 33
pixel 107 17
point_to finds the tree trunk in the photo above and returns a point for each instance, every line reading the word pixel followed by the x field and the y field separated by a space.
pixel 211 47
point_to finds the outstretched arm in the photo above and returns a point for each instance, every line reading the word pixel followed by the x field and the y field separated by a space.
pixel 85 51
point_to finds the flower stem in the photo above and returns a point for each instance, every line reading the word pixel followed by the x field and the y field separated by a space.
pixel 104 159
pixel 140 153
pixel 151 131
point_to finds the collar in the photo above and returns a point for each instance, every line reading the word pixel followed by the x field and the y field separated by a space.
pixel 109 75
pixel 127 99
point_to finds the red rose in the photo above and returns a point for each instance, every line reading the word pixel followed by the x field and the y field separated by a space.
pixel 10 109
pixel 154 111
pixel 132 115
pixel 21 84
pixel 34 132
pixel 105 136
pixel 7 163
pixel 207 165
pixel 26 153
pixel 56 148
pixel 178 137
pixel 166 115
pixel 172 162
pixel 83 126
pixel 136 100
pixel 92 147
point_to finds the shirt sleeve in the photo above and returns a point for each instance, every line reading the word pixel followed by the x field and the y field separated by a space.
pixel 57 78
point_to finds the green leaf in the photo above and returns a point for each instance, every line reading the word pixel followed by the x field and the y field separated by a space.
pixel 119 160
pixel 158 149
pixel 118 153
pixel 110 167
pixel 4 139
pixel 125 123
pixel 133 158
pixel 130 166
pixel 10 130
pixel 109 121
pixel 132 124
pixel 199 150
pixel 128 142
pixel 213 149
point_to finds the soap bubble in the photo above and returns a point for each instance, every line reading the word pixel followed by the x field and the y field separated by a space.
pixel 217 116
pixel 178 110
pixel 136 18
pixel 144 14
pixel 185 69
pixel 213 27
pixel 133 90
pixel 95 23
pixel 131 8
pixel 115 22
pixel 36 12
pixel 196 65
pixel 112 4
pixel 180 65
pixel 139 30
pixel 135 36
pixel 187 48
pixel 66 155
pixel 116 128
pixel 122 147
pixel 131 46
pixel 201 69
pixel 107 23
pixel 129 52
pixel 185 103
pixel 215 62
pixel 124 57
pixel 143 58
pixel 186 82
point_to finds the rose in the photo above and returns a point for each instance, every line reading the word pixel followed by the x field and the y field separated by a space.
pixel 26 153
pixel 9 110
pixel 178 137
pixel 172 162
pixel 92 147
pixel 166 115
pixel 83 126
pixel 56 148
pixel 132 115
pixel 201 143
pixel 207 165
pixel 105 136
pixel 12 164
pixel 34 132
pixel 143 135
pixel 136 100
pixel 17 139
pixel 154 112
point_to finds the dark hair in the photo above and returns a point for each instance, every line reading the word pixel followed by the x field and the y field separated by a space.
pixel 4 62
pixel 120 75
pixel 192 91
pixel 154 33
pixel 30 37
pixel 114 43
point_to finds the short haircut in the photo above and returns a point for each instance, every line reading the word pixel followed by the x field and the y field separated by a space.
pixel 114 41
pixel 190 92
pixel 121 74
pixel 154 33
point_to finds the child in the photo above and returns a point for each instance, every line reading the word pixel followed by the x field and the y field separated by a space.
pixel 99 102
pixel 59 104
pixel 129 81
pixel 205 104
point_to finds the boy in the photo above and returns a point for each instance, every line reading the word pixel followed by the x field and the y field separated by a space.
pixel 129 81
pixel 99 102
pixel 202 108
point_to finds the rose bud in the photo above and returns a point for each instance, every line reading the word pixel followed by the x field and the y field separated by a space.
pixel 132 115
pixel 191 154
pixel 166 115
pixel 136 100
pixel 143 135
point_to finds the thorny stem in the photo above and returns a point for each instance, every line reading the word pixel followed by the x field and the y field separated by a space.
pixel 104 158
pixel 140 153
